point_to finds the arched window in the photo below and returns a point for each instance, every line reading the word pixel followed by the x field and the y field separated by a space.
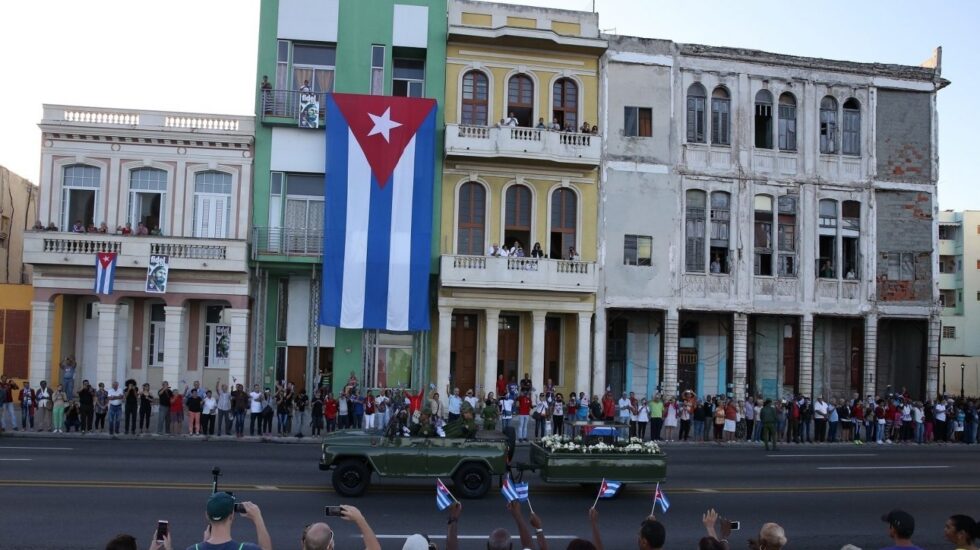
pixel 721 118
pixel 212 201
pixel 147 198
pixel 472 219
pixel 520 99
pixel 694 218
pixel 787 122
pixel 763 119
pixel 565 103
pixel 762 235
pixel 721 213
pixel 80 193
pixel 828 125
pixel 851 132
pixel 564 222
pixel 517 216
pixel 696 97
pixel 476 94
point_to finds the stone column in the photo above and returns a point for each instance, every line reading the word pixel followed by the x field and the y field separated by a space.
pixel 806 355
pixel 490 351
pixel 105 368
pixel 671 327
pixel 537 349
pixel 599 351
pixel 442 356
pixel 174 353
pixel 740 355
pixel 582 354
pixel 238 354
pixel 42 344
pixel 932 358
pixel 870 355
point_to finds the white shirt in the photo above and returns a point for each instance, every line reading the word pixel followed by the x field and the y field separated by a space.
pixel 256 406
pixel 210 404
pixel 643 414
pixel 472 400
pixel 820 410
pixel 940 412
pixel 510 121
pixel 115 396
pixel 507 407
pixel 624 407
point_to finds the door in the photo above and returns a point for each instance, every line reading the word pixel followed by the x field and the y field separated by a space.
pixel 616 356
pixel 78 205
pixel 146 208
pixel 296 366
pixel 89 344
pixel 405 456
pixel 552 350
pixel 857 358
pixel 508 347
pixel 211 215
pixel 462 353
pixel 304 225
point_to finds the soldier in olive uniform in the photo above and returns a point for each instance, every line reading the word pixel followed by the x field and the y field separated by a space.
pixel 464 426
pixel 424 427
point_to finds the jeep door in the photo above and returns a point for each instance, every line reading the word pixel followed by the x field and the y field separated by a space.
pixel 443 455
pixel 404 456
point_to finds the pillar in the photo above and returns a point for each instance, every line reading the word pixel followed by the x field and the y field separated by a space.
pixel 739 354
pixel 599 351
pixel 490 351
pixel 42 341
pixel 671 326
pixel 806 355
pixel 870 381
pixel 238 352
pixel 108 346
pixel 537 349
pixel 932 358
pixel 174 353
pixel 442 357
pixel 582 354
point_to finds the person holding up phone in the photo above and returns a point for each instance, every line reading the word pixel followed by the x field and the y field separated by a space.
pixel 221 514
pixel 725 527
pixel 320 535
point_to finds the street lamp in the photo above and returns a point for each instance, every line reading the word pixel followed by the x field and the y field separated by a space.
pixel 944 378
pixel 962 379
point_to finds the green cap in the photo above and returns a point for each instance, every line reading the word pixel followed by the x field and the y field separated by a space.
pixel 220 506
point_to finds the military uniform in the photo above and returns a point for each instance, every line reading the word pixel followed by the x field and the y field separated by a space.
pixel 464 426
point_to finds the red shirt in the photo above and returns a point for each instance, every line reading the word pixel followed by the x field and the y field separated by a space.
pixel 858 412
pixel 523 405
pixel 369 405
pixel 608 407
pixel 501 387
pixel 415 401
pixel 731 413
pixel 330 408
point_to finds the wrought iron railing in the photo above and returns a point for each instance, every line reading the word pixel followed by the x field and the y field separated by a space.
pixel 289 103
pixel 286 241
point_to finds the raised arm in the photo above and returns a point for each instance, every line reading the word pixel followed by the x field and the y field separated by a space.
pixel 522 527
pixel 594 520
pixel 452 537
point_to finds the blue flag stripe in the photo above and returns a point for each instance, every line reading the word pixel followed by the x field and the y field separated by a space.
pixel 422 214
pixel 378 254
pixel 335 219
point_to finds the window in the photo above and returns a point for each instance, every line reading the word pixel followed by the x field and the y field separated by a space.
pixel 638 122
pixel 947 232
pixel 313 67
pixel 282 65
pixel 147 194
pixel 564 222
pixel 720 216
pixel 851 134
pixel 212 201
pixel 377 69
pixel 763 119
pixel 949 332
pixel 472 218
pixel 476 94
pixel 850 231
pixel 637 250
pixel 978 295
pixel 391 356
pixel 828 125
pixel 408 78
pixel 827 243
pixel 303 215
pixel 694 219
pixel 217 336
pixel 80 193
pixel 720 117
pixel 901 266
pixel 520 99
pixel 763 235
pixel 787 122
pixel 695 113
pixel 786 236
pixel 517 215
pixel 565 103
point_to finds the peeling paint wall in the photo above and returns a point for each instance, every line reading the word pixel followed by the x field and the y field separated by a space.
pixel 905 233
pixel 904 136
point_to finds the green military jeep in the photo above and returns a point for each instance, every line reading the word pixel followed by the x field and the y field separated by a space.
pixel 471 463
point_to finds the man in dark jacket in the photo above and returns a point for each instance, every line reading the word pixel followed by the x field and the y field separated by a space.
pixel 768 418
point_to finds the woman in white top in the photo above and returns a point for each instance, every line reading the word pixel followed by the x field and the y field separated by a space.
pixel 558 415
pixel 209 408
pixel 642 417
pixel 670 420
pixel 542 416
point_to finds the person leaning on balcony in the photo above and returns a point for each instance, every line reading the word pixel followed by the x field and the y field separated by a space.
pixel 511 121
pixel 595 130
pixel 125 229
pixel 78 227
pixel 586 128
pixel 266 88
pixel 540 125
pixel 142 230
pixel 572 254
pixel 51 227
pixel 537 251
pixel 103 228
pixel 555 125
pixel 38 226
pixel 495 250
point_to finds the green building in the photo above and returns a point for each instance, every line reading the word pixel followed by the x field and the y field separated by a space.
pixel 308 48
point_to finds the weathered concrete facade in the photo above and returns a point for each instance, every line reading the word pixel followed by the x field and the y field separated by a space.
pixel 773 214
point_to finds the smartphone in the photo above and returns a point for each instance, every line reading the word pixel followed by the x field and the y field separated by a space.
pixel 735 525
pixel 239 508
pixel 162 527
pixel 335 511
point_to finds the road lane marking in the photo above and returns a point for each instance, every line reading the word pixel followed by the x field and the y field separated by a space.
pixel 466 537
pixel 883 467
pixel 267 487
pixel 706 490
pixel 820 455
pixel 37 448
pixel 16 459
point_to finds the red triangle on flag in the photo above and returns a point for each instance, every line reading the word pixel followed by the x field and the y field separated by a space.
pixel 383 126
pixel 105 258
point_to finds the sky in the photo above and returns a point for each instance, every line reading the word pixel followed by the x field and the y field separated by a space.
pixel 199 56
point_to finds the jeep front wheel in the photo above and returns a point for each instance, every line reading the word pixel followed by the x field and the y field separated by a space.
pixel 472 480
pixel 351 478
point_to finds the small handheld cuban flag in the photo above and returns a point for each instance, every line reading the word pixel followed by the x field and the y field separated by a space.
pixel 105 272
pixel 444 499
pixel 514 491
pixel 608 488
pixel 660 497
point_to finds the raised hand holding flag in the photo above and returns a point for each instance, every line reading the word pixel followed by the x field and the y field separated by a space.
pixel 661 498
pixel 606 490
pixel 444 499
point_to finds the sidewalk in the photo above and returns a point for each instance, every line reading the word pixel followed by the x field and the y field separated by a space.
pixel 157 437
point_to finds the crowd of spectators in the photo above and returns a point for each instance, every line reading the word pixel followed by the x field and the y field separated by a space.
pixel 141 230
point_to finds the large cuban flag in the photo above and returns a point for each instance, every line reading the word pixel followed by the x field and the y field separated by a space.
pixel 378 219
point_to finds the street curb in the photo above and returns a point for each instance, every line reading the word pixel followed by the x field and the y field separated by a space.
pixel 184 438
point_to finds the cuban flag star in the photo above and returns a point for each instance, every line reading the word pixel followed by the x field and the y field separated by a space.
pixel 378 214
pixel 661 498
pixel 444 499
pixel 105 272
pixel 608 488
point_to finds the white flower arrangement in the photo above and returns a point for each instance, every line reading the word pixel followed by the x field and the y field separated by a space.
pixel 563 444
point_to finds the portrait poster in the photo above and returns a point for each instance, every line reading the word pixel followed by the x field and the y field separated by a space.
pixel 157 273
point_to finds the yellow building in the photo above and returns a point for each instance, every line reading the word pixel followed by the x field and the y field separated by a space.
pixel 18 212
pixel 519 203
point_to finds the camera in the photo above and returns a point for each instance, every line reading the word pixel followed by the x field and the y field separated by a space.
pixel 735 525
pixel 333 511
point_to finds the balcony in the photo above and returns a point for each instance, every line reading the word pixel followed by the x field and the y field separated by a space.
pixel 284 106
pixel 524 143
pixel 176 125
pixel 950 281
pixel 284 242
pixel 518 273
pixel 79 249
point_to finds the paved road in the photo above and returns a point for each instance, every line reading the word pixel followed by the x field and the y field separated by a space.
pixel 77 492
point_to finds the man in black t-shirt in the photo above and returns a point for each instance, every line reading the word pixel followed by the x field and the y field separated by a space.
pixel 132 405
pixel 86 404
pixel 163 416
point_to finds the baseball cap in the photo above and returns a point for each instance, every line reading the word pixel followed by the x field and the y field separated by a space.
pixel 220 506
pixel 416 542
pixel 901 520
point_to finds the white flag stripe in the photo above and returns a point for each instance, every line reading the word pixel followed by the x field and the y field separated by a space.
pixel 400 255
pixel 355 251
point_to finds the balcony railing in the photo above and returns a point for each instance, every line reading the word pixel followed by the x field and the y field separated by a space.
pixel 289 103
pixel 234 127
pixel 286 241
pixel 518 273
pixel 54 248
pixel 520 142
